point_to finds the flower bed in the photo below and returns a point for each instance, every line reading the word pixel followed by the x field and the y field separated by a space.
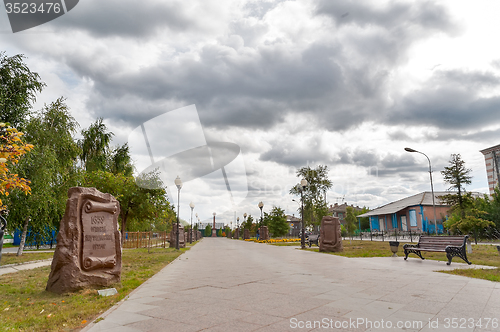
pixel 273 240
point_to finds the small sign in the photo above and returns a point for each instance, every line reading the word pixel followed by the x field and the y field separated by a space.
pixel 107 292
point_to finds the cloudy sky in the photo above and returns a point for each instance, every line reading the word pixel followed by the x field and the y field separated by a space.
pixel 341 83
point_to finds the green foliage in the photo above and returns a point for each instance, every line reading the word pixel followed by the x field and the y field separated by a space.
pixel 49 166
pixel 141 206
pixel 208 230
pixel 18 88
pixel 343 231
pixel 276 222
pixel 365 221
pixel 350 221
pixel 315 207
pixel 457 175
pixel 248 224
pixel 469 218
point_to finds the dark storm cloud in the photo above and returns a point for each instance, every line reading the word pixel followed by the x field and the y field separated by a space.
pixel 450 100
pixel 241 81
pixel 388 165
pixel 291 154
pixel 128 18
pixel 393 15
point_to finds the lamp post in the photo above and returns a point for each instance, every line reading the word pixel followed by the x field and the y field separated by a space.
pixel 191 205
pixel 432 186
pixel 244 221
pixel 261 205
pixel 178 184
pixel 303 184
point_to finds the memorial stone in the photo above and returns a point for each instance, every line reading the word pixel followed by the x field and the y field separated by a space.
pixel 264 233
pixel 236 234
pixel 88 251
pixel 173 236
pixel 246 234
pixel 330 239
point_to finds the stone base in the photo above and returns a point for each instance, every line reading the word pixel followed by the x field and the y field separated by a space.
pixel 75 265
pixel 330 239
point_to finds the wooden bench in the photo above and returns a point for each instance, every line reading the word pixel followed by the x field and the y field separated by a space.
pixel 451 245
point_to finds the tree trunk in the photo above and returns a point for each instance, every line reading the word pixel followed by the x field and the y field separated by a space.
pixel 124 224
pixel 23 237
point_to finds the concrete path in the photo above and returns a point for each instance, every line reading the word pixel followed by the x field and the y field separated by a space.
pixel 230 285
pixel 11 268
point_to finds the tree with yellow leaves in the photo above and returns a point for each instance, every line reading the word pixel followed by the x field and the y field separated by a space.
pixel 12 148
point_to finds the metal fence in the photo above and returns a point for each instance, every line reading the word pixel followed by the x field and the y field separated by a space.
pixel 135 240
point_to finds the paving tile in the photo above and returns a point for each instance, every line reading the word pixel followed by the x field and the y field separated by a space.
pixel 265 287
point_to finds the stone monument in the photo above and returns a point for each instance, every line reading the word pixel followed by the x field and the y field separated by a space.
pixel 173 236
pixel 330 239
pixel 236 234
pixel 264 233
pixel 88 251
pixel 246 234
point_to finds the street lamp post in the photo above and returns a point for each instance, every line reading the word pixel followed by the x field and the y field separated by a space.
pixel 432 186
pixel 303 184
pixel 244 221
pixel 197 226
pixel 191 205
pixel 178 183
pixel 261 205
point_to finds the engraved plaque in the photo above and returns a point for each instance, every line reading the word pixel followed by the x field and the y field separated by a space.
pixel 98 250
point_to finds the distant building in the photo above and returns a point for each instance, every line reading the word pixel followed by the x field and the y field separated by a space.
pixel 415 212
pixel 340 211
pixel 294 225
pixel 492 160
pixel 218 225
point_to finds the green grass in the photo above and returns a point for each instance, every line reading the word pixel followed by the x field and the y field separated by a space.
pixel 481 255
pixel 286 244
pixel 26 306
pixel 25 257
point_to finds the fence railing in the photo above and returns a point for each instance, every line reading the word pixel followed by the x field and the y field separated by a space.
pixel 145 240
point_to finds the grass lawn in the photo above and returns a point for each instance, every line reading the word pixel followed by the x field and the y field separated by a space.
pixel 481 255
pixel 26 306
pixel 25 257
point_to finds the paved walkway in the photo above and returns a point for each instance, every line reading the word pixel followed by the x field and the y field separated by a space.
pixel 11 268
pixel 229 285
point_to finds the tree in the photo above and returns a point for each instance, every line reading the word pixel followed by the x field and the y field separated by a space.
pixel 350 221
pixel 470 218
pixel 365 221
pixel 314 200
pixel 248 224
pixel 18 88
pixel 457 175
pixel 276 222
pixel 208 230
pixel 12 148
pixel 51 168
pixel 95 146
pixel 140 205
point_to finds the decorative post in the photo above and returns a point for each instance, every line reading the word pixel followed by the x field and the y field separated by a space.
pixel 214 231
pixel 303 184
pixel 178 183
pixel 191 205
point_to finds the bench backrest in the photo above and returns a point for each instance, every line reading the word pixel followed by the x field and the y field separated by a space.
pixel 440 242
